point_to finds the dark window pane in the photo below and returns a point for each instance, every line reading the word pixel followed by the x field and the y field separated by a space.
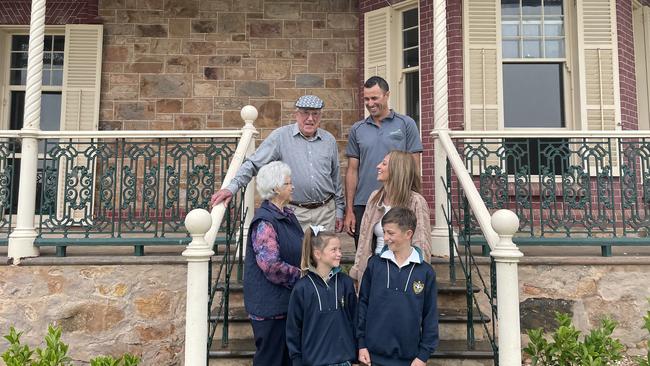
pixel 411 58
pixel 553 7
pixel 540 155
pixel 47 43
pixel 18 77
pixel 47 60
pixel 533 95
pixel 413 96
pixel 510 7
pixel 57 60
pixel 410 38
pixel 20 43
pixel 18 60
pixel 17 110
pixel 410 18
pixel 531 7
pixel 59 43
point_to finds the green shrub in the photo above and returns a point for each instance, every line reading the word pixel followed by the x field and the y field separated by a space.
pixel 125 360
pixel 17 354
pixel 55 352
pixel 566 349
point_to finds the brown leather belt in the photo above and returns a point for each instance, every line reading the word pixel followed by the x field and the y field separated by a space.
pixel 312 205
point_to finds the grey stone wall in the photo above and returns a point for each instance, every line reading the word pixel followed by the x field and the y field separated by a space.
pixel 108 309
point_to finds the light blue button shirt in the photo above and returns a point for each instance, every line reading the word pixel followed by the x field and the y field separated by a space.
pixel 314 164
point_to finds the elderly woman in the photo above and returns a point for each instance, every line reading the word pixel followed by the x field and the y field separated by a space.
pixel 401 188
pixel 272 264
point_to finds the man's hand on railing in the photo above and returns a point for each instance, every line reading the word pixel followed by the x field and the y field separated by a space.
pixel 223 195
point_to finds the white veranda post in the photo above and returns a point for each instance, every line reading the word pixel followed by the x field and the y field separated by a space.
pixel 506 255
pixel 198 255
pixel 440 234
pixel 21 240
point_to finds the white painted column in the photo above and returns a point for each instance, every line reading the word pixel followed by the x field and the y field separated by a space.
pixel 198 255
pixel 506 255
pixel 21 240
pixel 440 232
pixel 249 116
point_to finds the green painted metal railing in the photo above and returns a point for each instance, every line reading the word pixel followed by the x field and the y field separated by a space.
pixel 126 191
pixel 459 221
pixel 582 190
pixel 228 257
pixel 8 164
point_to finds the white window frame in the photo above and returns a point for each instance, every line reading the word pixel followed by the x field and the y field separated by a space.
pixel 567 77
pixel 642 62
pixel 5 51
pixel 399 70
pixel 7 88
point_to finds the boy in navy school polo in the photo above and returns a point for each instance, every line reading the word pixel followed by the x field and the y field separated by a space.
pixel 397 318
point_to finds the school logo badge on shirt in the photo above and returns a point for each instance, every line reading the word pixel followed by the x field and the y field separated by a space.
pixel 418 286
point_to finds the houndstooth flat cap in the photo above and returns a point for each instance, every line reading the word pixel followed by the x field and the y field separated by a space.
pixel 310 102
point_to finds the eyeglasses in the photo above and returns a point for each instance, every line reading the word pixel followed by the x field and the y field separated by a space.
pixel 305 113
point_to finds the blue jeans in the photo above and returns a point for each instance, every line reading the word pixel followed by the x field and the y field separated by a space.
pixel 346 363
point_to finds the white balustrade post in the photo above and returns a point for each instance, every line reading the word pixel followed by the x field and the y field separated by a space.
pixel 440 231
pixel 21 240
pixel 198 255
pixel 506 255
pixel 249 115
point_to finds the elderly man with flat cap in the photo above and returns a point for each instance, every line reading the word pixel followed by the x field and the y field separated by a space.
pixel 312 155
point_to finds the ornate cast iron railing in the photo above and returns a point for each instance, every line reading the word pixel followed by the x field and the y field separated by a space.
pixel 465 211
pixel 8 182
pixel 131 190
pixel 458 215
pixel 588 189
pixel 228 257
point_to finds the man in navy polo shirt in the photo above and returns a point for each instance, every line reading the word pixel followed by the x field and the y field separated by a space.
pixel 370 140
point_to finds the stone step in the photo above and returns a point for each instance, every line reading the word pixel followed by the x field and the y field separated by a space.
pixel 451 294
pixel 238 315
pixel 453 324
pixel 440 265
pixel 445 287
pixel 449 353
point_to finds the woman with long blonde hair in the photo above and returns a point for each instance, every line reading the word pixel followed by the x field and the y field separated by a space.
pixel 401 185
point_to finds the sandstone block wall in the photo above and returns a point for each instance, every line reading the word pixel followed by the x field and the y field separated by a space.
pixel 189 64
pixel 589 293
pixel 108 309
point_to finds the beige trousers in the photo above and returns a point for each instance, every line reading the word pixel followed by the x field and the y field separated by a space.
pixel 324 215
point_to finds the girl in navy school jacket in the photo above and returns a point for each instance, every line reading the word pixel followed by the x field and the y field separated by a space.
pixel 322 307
